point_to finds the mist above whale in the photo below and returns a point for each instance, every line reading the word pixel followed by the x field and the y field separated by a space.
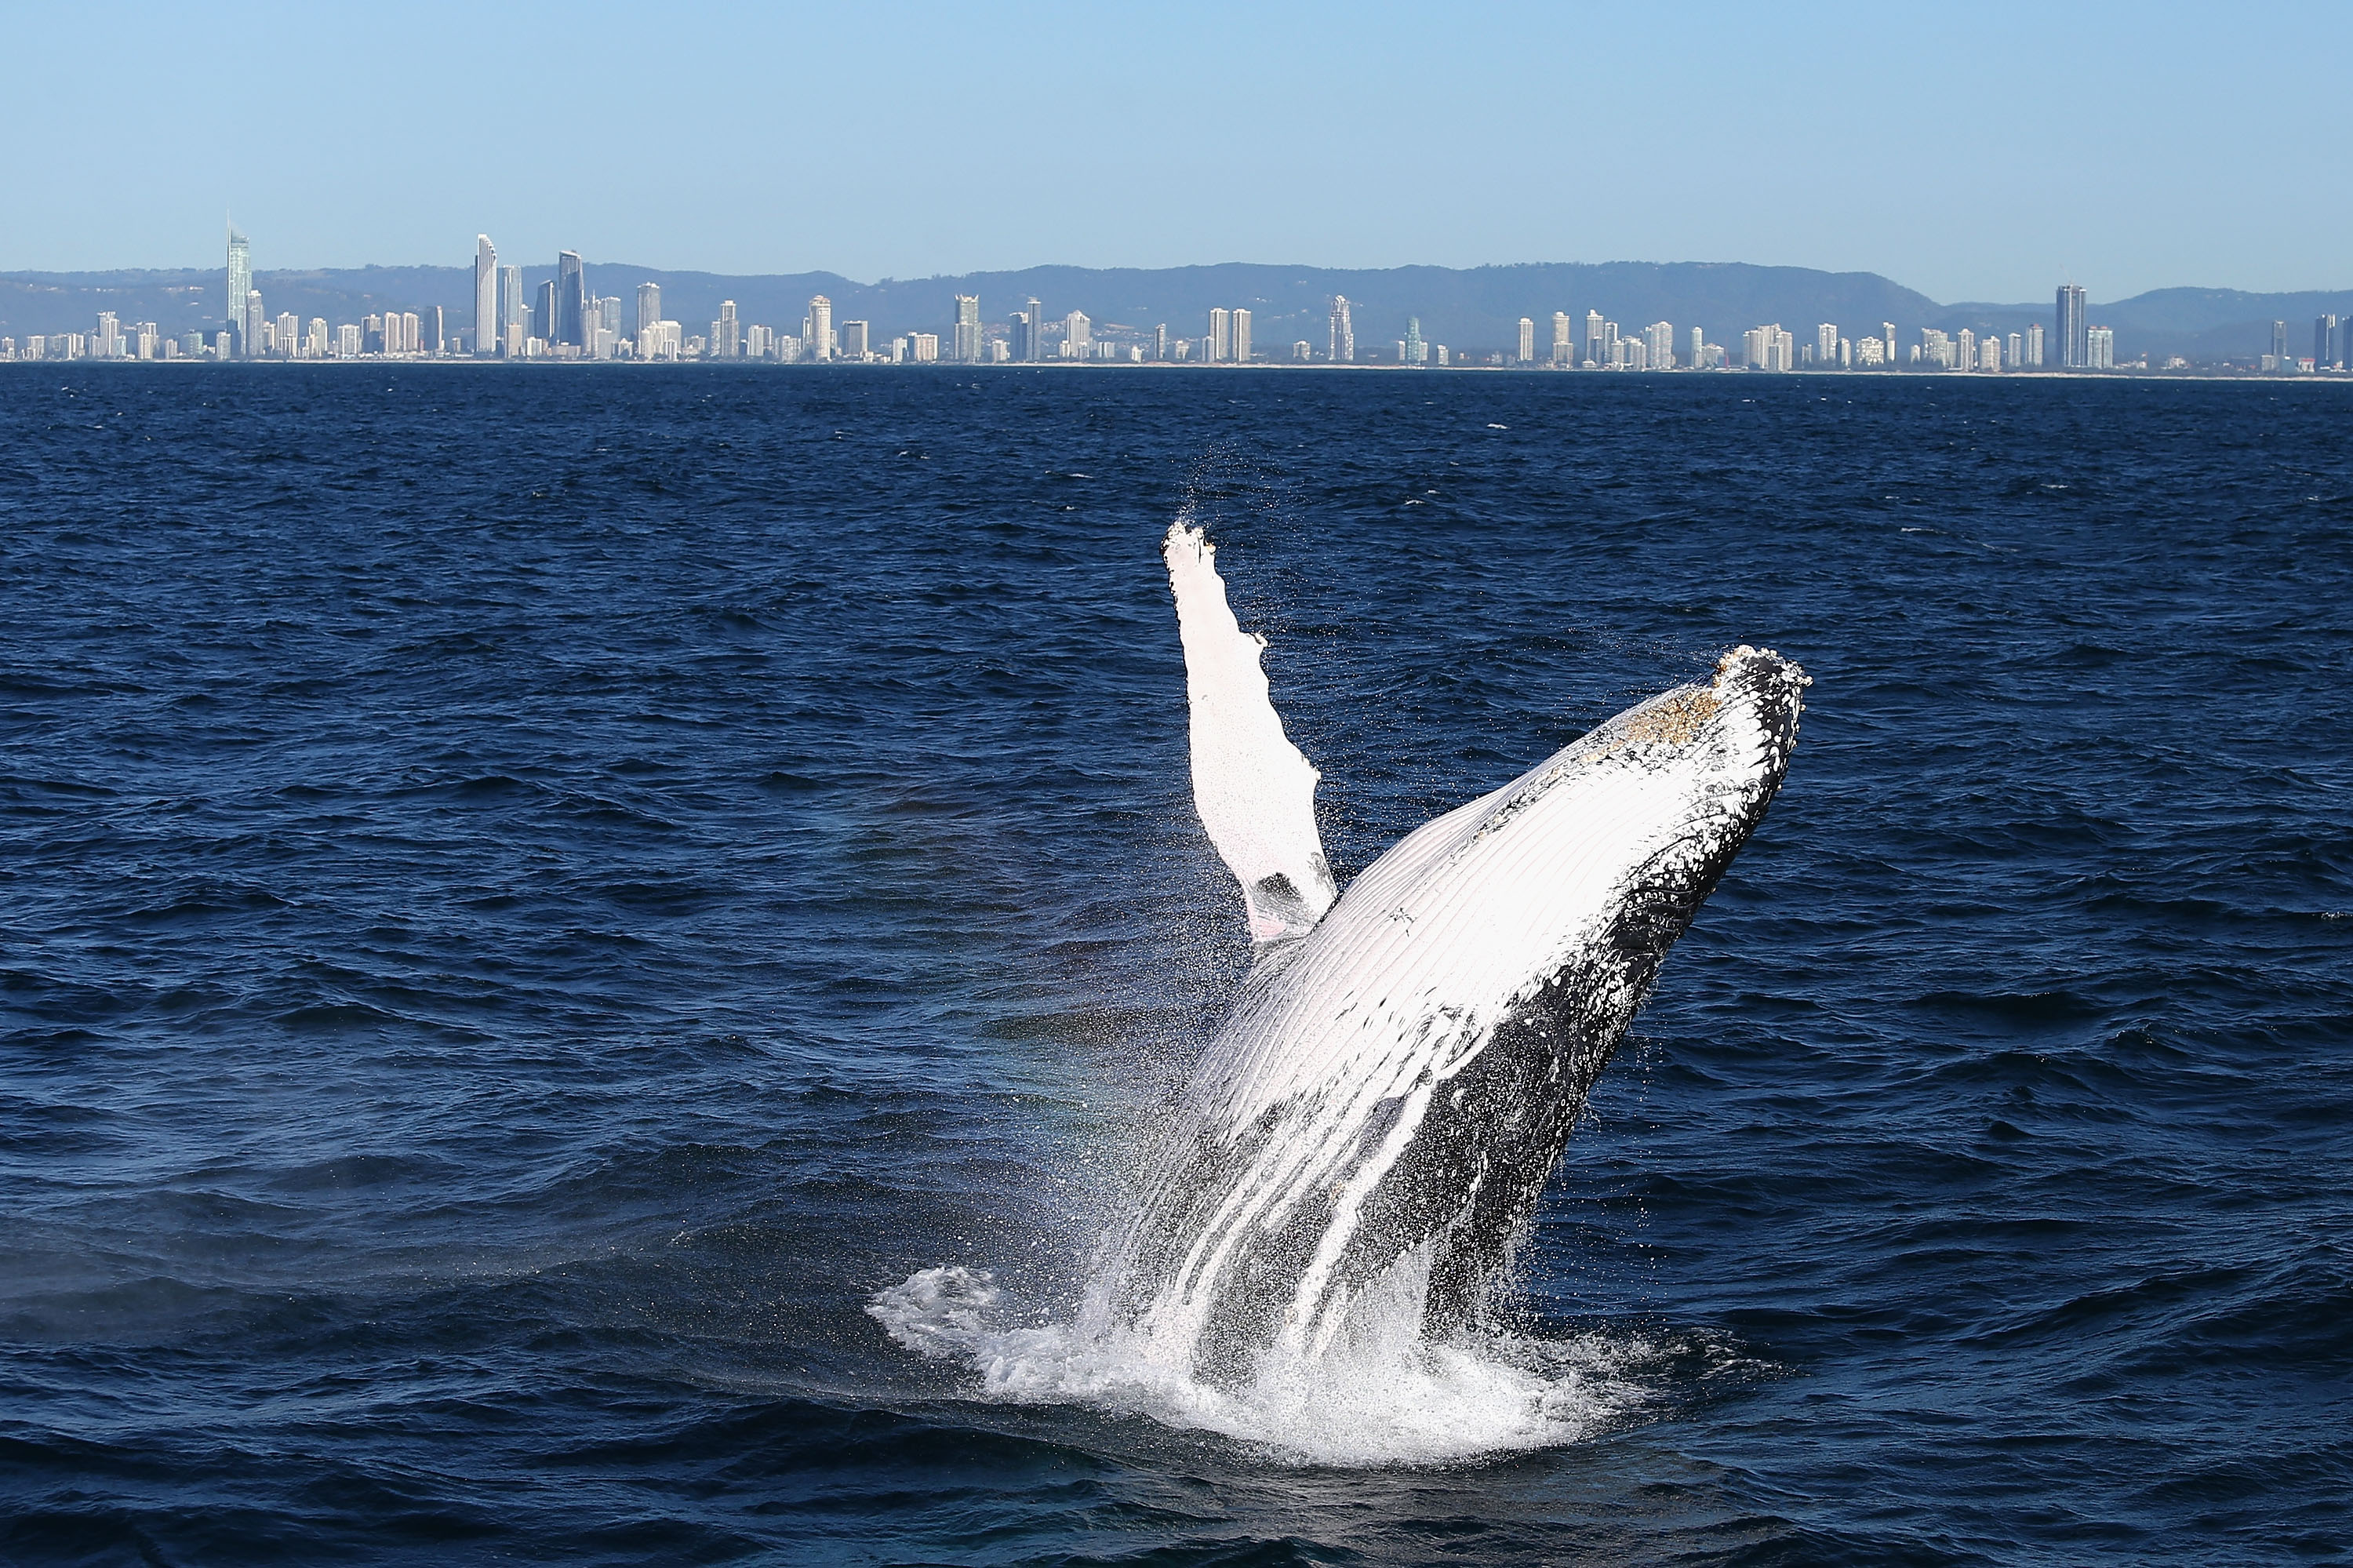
pixel 1374 1122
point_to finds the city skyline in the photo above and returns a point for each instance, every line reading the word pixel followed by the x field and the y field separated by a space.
pixel 567 321
pixel 563 318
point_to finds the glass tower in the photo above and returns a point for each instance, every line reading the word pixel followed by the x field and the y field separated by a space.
pixel 570 299
pixel 2074 329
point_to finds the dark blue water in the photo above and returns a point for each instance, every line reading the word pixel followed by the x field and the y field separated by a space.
pixel 530 896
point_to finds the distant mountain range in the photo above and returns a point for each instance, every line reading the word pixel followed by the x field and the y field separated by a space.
pixel 1474 310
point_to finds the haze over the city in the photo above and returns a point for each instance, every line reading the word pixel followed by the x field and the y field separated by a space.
pixel 1970 156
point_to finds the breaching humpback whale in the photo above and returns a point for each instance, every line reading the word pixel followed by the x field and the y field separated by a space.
pixel 1380 1112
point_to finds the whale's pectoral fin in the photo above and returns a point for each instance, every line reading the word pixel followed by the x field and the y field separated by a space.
pixel 1255 791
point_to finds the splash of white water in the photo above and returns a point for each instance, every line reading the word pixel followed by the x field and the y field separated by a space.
pixel 1380 1396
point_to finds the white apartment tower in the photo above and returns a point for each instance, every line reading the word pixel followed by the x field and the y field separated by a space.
pixel 1242 337
pixel 486 296
pixel 1221 334
pixel 966 340
pixel 1527 354
pixel 1563 345
pixel 1344 333
pixel 648 306
pixel 818 337
pixel 240 281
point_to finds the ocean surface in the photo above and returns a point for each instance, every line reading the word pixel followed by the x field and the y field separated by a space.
pixel 534 901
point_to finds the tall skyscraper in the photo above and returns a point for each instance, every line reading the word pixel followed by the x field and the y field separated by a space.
pixel 1024 336
pixel 512 315
pixel 1242 337
pixel 1160 340
pixel 1221 334
pixel 1416 351
pixel 1036 329
pixel 1078 336
pixel 964 341
pixel 1597 344
pixel 1527 354
pixel 570 299
pixel 2032 355
pixel 2279 346
pixel 543 315
pixel 486 296
pixel 2324 341
pixel 1564 339
pixel 1343 349
pixel 2074 329
pixel 1887 331
pixel 649 305
pixel 820 336
pixel 240 283
pixel 726 333
pixel 252 325
pixel 1698 350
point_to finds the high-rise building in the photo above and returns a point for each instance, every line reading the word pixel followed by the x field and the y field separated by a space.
pixel 514 322
pixel 820 336
pixel 2014 350
pixel 1826 343
pixel 1597 348
pixel 1887 333
pixel 1342 349
pixel 1698 350
pixel 2279 346
pixel 1564 339
pixel 1160 340
pixel 240 283
pixel 1966 356
pixel 1023 336
pixel 2074 344
pixel 726 333
pixel 649 305
pixel 1220 335
pixel 570 299
pixel 855 341
pixel 964 342
pixel 2324 341
pixel 1416 351
pixel 486 296
pixel 1527 354
pixel 543 315
pixel 1242 337
pixel 1078 336
pixel 1036 313
pixel 1659 345
pixel 256 318
pixel 2032 357
pixel 1769 347
pixel 2099 348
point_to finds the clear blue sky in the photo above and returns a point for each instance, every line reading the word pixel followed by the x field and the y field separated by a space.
pixel 1972 152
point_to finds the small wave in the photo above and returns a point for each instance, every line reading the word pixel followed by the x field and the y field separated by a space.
pixel 1387 1398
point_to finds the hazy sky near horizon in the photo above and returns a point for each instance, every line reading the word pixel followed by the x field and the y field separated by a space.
pixel 1978 152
